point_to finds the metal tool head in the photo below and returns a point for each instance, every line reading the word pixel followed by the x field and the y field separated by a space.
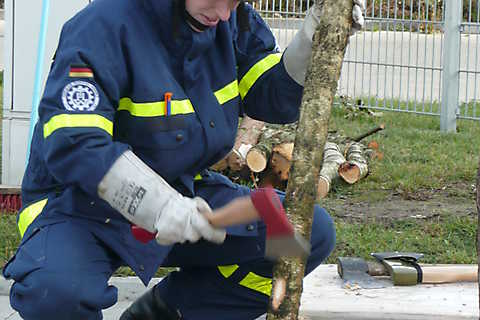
pixel 398 255
pixel 290 245
pixel 281 238
pixel 354 272
pixel 402 266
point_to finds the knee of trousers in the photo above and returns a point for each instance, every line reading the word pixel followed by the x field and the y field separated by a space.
pixel 322 239
pixel 41 295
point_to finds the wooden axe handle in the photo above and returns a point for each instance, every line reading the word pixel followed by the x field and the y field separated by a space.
pixel 449 273
pixel 262 203
pixel 238 211
pixel 434 273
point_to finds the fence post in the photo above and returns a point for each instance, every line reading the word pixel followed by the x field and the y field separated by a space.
pixel 451 56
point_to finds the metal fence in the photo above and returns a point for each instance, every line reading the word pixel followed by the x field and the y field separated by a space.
pixel 397 62
pixel 469 66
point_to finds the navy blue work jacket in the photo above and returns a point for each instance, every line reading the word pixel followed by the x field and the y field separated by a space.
pixel 107 91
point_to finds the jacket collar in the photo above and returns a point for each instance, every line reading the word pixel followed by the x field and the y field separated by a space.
pixel 165 16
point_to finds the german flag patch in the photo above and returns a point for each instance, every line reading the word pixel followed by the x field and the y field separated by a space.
pixel 80 71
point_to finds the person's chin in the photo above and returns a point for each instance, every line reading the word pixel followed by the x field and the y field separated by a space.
pixel 206 21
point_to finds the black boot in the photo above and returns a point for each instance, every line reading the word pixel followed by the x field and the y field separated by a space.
pixel 150 306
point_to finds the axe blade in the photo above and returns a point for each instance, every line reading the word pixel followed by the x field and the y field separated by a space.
pixel 354 272
pixel 281 239
pixel 290 245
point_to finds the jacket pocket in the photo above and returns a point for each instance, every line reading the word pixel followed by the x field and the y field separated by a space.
pixel 30 255
pixel 162 133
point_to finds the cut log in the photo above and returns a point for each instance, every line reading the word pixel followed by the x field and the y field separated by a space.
pixel 220 165
pixel 257 157
pixel 281 160
pixel 247 136
pixel 285 150
pixel 269 178
pixel 332 159
pixel 272 135
pixel 236 158
pixel 356 166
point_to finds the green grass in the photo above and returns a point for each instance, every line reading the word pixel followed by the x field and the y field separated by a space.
pixel 9 236
pixel 442 240
pixel 416 154
pixel 417 157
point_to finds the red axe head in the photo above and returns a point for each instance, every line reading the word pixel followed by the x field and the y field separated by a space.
pixel 281 240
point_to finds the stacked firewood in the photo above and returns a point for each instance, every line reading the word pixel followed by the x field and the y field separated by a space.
pixel 264 152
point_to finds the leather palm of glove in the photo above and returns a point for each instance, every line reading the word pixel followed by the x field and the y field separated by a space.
pixel 148 201
pixel 297 55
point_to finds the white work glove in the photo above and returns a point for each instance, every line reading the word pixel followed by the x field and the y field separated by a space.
pixel 183 220
pixel 357 15
pixel 148 201
pixel 297 55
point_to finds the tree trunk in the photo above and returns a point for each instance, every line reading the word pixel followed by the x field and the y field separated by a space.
pixel 329 45
pixel 478 227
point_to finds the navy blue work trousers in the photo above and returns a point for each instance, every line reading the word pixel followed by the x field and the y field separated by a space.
pixel 75 268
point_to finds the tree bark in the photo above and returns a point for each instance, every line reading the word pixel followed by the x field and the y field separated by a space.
pixel 478 228
pixel 329 44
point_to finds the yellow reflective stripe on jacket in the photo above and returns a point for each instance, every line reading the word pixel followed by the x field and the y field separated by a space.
pixel 198 177
pixel 252 281
pixel 227 271
pixel 155 109
pixel 227 93
pixel 75 121
pixel 256 72
pixel 258 283
pixel 29 214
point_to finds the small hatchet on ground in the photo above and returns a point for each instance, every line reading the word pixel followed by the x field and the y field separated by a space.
pixel 403 269
pixel 264 204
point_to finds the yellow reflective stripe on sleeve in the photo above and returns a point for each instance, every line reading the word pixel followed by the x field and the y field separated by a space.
pixel 198 177
pixel 155 109
pixel 227 271
pixel 227 93
pixel 29 214
pixel 258 283
pixel 256 71
pixel 75 121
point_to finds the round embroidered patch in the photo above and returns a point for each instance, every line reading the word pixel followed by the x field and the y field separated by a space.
pixel 80 96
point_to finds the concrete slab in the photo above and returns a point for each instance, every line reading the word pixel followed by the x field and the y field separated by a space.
pixel 324 298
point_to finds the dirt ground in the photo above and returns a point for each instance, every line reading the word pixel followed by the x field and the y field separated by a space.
pixel 456 200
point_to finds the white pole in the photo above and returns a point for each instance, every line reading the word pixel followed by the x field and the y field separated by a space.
pixel 451 58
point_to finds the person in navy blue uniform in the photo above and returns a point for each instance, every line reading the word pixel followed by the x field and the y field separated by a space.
pixel 142 98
